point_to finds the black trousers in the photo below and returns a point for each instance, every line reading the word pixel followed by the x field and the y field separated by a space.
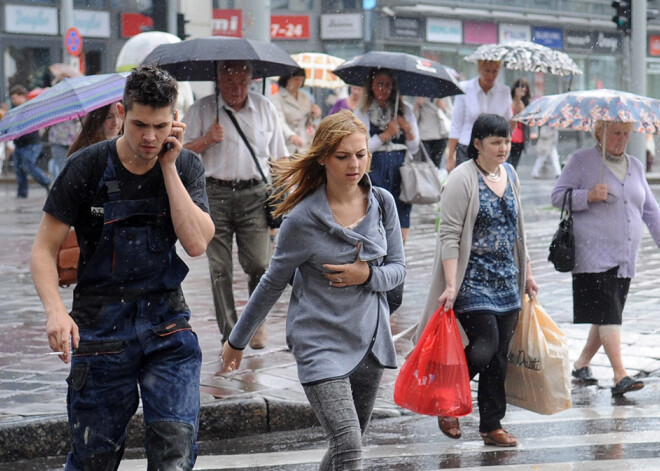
pixel 516 151
pixel 490 335
pixel 435 149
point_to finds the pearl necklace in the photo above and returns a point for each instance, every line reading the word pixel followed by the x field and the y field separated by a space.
pixel 493 177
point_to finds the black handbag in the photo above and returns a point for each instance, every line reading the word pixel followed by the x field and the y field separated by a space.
pixel 395 295
pixel 562 247
pixel 270 205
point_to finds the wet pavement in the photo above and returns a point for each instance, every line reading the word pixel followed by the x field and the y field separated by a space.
pixel 264 395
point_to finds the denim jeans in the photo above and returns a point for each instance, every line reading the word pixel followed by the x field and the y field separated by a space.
pixel 344 406
pixel 385 174
pixel 25 162
pixel 58 159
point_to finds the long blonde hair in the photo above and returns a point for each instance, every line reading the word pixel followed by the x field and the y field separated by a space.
pixel 301 174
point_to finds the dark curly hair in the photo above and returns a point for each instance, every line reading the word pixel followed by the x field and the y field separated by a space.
pixel 152 86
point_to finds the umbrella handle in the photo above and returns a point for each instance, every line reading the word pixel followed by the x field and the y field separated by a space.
pixel 396 106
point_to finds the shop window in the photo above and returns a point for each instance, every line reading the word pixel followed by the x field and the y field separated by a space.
pixel 27 66
pixel 93 63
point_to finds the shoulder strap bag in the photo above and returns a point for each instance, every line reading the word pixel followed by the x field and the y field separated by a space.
pixel 395 295
pixel 270 205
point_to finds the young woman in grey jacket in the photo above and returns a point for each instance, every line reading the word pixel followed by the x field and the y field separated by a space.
pixel 343 253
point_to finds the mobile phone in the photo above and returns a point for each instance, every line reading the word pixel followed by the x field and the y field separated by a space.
pixel 168 145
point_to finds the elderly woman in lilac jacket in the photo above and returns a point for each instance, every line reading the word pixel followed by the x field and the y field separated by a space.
pixel 611 200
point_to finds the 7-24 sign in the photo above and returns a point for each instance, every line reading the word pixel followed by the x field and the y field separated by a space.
pixel 289 27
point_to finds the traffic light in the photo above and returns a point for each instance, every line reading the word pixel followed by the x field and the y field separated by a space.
pixel 181 26
pixel 623 17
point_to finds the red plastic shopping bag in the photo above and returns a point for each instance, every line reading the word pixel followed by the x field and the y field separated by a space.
pixel 435 380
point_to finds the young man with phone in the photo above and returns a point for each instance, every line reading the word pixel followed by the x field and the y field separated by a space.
pixel 130 199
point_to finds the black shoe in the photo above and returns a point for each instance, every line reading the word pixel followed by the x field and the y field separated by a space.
pixel 584 375
pixel 626 384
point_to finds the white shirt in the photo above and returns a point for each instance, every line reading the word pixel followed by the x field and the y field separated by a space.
pixel 231 159
pixel 469 106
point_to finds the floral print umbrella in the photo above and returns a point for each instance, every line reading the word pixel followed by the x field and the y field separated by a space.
pixel 581 110
pixel 526 56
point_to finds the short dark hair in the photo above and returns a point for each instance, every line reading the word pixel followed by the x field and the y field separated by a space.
pixel 487 125
pixel 17 89
pixel 284 79
pixel 149 85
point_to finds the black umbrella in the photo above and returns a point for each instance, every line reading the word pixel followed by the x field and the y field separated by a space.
pixel 416 76
pixel 196 59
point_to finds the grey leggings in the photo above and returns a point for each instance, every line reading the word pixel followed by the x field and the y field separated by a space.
pixel 344 406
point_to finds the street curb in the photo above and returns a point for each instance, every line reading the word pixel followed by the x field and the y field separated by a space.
pixel 41 438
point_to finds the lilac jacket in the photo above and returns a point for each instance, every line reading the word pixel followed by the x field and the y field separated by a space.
pixel 607 233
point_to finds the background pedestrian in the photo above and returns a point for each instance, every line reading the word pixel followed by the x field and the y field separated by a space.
pixel 611 200
pixel 520 95
pixel 350 103
pixel 27 149
pixel 237 194
pixel 434 120
pixel 98 125
pixel 296 111
pixel 482 95
pixel 394 136
pixel 482 269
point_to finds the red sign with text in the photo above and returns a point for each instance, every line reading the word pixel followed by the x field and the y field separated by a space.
pixel 227 23
pixel 654 46
pixel 289 27
pixel 230 23
pixel 133 24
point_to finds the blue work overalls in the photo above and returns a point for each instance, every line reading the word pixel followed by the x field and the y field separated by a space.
pixel 134 330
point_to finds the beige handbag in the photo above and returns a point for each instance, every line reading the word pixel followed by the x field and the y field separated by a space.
pixel 420 181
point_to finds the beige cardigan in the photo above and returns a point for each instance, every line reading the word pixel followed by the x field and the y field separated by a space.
pixel 459 208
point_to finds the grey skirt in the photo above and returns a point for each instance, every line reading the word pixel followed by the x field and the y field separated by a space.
pixel 599 298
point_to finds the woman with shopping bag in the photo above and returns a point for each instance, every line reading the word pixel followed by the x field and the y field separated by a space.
pixel 481 268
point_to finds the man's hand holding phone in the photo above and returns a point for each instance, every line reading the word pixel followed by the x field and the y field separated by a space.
pixel 174 142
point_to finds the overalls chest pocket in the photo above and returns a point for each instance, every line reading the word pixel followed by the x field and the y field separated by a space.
pixel 140 251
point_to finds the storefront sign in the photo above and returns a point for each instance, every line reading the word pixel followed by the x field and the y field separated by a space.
pixel 439 30
pixel 227 23
pixel 348 26
pixel 477 32
pixel 133 24
pixel 607 43
pixel 289 27
pixel 509 32
pixel 550 37
pixel 95 24
pixel 654 45
pixel 31 20
pixel 410 28
pixel 577 40
pixel 600 43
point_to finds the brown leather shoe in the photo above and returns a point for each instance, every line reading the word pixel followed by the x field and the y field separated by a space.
pixel 499 437
pixel 450 426
pixel 259 339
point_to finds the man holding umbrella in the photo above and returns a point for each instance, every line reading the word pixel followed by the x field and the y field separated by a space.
pixel 230 131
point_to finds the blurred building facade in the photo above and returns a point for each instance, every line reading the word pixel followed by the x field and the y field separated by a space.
pixel 442 30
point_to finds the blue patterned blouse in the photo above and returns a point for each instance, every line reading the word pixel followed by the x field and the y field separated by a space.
pixel 490 282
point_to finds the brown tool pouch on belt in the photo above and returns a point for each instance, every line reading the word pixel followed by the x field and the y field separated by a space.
pixel 67 259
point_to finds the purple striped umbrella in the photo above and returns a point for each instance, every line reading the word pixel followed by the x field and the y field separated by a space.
pixel 69 99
